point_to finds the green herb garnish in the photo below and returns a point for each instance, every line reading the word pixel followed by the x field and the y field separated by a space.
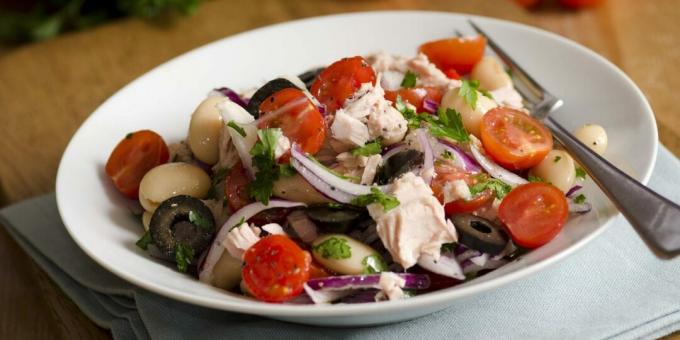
pixel 369 149
pixel 144 241
pixel 580 173
pixel 129 135
pixel 373 264
pixel 199 220
pixel 468 90
pixel 448 155
pixel 411 116
pixel 499 188
pixel 535 179
pixel 580 199
pixel 409 80
pixel 241 221
pixel 448 247
pixel 184 256
pixel 286 170
pixel 232 124
pixel 448 124
pixel 376 196
pixel 334 248
pixel 261 188
pixel 557 159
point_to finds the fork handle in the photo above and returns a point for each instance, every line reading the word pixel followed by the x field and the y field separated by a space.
pixel 653 216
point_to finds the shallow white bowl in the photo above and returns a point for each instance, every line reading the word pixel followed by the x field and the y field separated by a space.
pixel 593 89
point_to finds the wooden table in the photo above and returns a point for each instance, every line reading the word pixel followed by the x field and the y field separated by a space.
pixel 48 89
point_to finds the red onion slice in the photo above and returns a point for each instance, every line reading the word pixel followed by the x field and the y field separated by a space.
pixel 573 190
pixel 580 208
pixel 495 170
pixel 460 157
pixel 344 282
pixel 430 105
pixel 470 267
pixel 245 213
pixel 232 95
pixel 427 172
pixel 325 295
pixel 326 182
pixel 446 266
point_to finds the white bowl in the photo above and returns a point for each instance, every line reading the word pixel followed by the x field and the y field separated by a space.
pixel 593 89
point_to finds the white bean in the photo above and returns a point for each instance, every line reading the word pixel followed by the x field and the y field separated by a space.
pixel 295 188
pixel 172 179
pixel 354 262
pixel 558 169
pixel 204 130
pixel 594 136
pixel 490 74
pixel 472 118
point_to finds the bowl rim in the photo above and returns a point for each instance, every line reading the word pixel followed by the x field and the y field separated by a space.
pixel 420 301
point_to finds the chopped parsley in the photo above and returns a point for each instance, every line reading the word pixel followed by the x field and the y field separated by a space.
pixel 241 221
pixel 409 80
pixel 144 241
pixel 232 124
pixel 199 220
pixel 372 148
pixel 447 124
pixel 373 264
pixel 351 178
pixel 376 196
pixel 218 176
pixel 334 248
pixel 580 199
pixel 486 93
pixel 557 159
pixel 535 179
pixel 129 135
pixel 261 188
pixel 468 90
pixel 184 256
pixel 448 247
pixel 580 173
pixel 499 188
pixel 448 155
pixel 286 170
pixel 411 116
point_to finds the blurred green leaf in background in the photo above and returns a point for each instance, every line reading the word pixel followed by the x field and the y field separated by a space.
pixel 23 21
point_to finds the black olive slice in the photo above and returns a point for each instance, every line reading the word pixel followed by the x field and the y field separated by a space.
pixel 480 234
pixel 398 165
pixel 182 220
pixel 265 91
pixel 334 219
pixel 310 76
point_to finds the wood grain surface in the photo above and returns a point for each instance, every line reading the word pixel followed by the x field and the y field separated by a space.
pixel 48 89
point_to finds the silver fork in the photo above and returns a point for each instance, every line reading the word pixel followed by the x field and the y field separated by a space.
pixel 654 217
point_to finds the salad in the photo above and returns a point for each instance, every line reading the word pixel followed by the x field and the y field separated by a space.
pixel 376 177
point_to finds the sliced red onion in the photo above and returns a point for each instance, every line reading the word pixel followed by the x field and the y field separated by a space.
pixel 427 172
pixel 446 266
pixel 495 170
pixel 326 182
pixel 461 157
pixel 245 213
pixel 325 295
pixel 471 267
pixel 430 105
pixel 468 254
pixel 580 208
pixel 344 282
pixel 232 95
pixel 573 190
pixel 230 111
pixel 480 260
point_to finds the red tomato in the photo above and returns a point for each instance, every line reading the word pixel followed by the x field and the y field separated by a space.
pixel 275 268
pixel 452 74
pixel 580 3
pixel 133 157
pixel 340 80
pixel 448 173
pixel 236 187
pixel 460 54
pixel 416 96
pixel 534 213
pixel 316 270
pixel 514 139
pixel 300 120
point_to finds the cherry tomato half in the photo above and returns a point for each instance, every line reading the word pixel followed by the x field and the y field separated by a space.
pixel 416 96
pixel 276 269
pixel 514 139
pixel 300 120
pixel 133 157
pixel 236 187
pixel 534 213
pixel 340 80
pixel 460 54
pixel 448 173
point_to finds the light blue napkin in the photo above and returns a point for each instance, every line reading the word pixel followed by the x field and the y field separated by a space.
pixel 614 287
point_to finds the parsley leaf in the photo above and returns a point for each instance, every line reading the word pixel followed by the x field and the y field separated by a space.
pixel 184 256
pixel 409 114
pixel 334 248
pixel 448 247
pixel 376 196
pixel 144 241
pixel 448 155
pixel 372 148
pixel 448 124
pixel 232 124
pixel 200 221
pixel 580 173
pixel 535 179
pixel 580 199
pixel 409 80
pixel 241 221
pixel 499 188
pixel 468 90
pixel 486 93
pixel 557 159
pixel 286 170
pixel 129 135
pixel 373 264
pixel 261 188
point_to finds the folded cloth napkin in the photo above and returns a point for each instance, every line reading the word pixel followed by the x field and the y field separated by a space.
pixel 614 287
